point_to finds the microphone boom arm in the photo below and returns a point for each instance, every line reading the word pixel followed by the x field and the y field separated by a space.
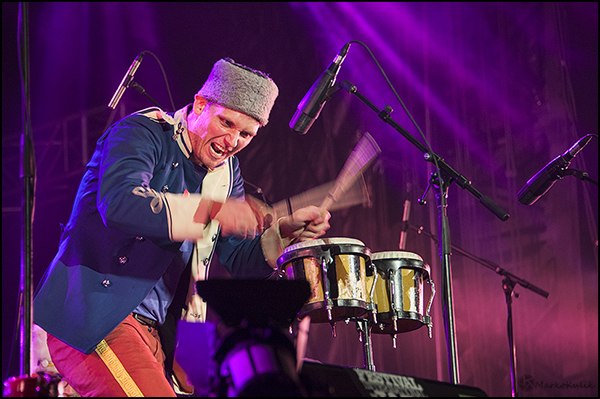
pixel 446 169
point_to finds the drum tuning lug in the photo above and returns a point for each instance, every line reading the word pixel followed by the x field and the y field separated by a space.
pixel 333 329
pixel 394 340
pixel 347 321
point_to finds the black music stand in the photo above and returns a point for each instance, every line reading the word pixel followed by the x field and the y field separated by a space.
pixel 252 356
pixel 255 302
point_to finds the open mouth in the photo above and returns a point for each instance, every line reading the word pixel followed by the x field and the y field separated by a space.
pixel 217 150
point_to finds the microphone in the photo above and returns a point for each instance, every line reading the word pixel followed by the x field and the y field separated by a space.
pixel 404 230
pixel 312 103
pixel 543 180
pixel 126 81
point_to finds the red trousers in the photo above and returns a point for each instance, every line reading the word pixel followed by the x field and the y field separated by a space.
pixel 128 362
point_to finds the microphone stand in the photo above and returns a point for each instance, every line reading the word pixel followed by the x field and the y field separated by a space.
pixel 508 285
pixel 448 176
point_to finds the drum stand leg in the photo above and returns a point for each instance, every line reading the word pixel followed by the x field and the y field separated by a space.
pixel 364 330
pixel 395 329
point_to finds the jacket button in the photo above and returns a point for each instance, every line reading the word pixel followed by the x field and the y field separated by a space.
pixel 205 261
pixel 174 165
pixel 164 189
pixel 106 283
pixel 123 260
pixel 214 237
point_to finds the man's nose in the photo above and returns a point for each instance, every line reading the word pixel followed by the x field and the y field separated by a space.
pixel 232 139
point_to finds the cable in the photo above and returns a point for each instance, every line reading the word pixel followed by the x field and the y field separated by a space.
pixel 409 115
pixel 164 75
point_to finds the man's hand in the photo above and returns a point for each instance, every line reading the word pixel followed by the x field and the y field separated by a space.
pixel 238 218
pixel 305 224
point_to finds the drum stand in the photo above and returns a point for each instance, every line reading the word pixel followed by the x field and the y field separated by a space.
pixel 364 331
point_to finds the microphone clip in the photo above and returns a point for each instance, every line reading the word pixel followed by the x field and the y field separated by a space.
pixel 331 91
pixel 433 180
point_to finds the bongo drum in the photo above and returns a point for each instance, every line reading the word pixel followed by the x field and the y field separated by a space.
pixel 336 271
pixel 398 292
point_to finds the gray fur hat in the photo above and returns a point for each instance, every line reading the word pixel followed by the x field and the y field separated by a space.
pixel 240 88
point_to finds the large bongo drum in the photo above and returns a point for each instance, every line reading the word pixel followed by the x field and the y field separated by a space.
pixel 396 302
pixel 336 271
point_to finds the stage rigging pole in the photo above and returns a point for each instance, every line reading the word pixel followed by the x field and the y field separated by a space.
pixel 28 175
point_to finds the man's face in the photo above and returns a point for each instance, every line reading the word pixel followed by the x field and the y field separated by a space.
pixel 217 133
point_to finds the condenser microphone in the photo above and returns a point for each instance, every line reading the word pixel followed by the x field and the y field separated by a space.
pixel 126 81
pixel 543 180
pixel 310 107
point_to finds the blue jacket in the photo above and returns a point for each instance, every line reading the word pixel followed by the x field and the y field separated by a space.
pixel 118 243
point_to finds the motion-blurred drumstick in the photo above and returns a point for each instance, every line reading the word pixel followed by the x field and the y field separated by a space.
pixel 363 154
pixel 355 195
pixel 361 157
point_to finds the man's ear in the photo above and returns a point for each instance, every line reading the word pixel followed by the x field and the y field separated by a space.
pixel 199 103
